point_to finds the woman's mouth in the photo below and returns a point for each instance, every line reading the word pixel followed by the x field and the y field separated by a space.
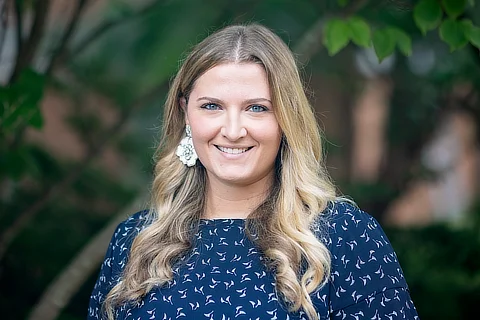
pixel 233 150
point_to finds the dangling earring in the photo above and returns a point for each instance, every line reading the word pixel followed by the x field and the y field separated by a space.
pixel 185 150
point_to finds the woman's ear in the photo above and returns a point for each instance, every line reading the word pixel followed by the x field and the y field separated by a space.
pixel 183 105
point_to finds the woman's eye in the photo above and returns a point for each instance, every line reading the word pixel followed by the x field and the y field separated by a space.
pixel 210 106
pixel 257 108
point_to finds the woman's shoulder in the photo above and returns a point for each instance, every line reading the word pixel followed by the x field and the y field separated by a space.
pixel 363 260
pixel 345 218
pixel 134 223
pixel 345 226
pixel 127 230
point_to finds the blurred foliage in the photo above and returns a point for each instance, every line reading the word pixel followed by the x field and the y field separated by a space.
pixel 442 266
pixel 427 15
pixel 117 65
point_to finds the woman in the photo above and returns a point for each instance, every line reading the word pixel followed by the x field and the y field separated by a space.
pixel 244 220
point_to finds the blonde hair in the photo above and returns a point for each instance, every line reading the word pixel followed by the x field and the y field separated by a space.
pixel 283 223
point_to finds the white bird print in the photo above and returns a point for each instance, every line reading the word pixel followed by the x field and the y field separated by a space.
pixel 243 292
pixel 214 283
pixel 228 284
pixel 393 279
pixel 199 290
pixel 239 243
pixel 357 315
pixel 245 278
pixel 236 258
pixel 273 314
pixel 380 272
pixel 261 288
pixel 239 311
pixel 356 296
pixel 342 314
pixel 365 278
pixel 248 264
pixel 209 300
pixel 222 255
pixel 183 293
pixel 365 235
pixel 222 242
pixel 272 297
pixel 194 306
pixel 339 290
pixel 233 271
pixel 350 279
pixel 226 300
pixel 352 244
pixel 256 304
pixel 180 313
pixel 345 261
pixel 359 262
pixel 168 299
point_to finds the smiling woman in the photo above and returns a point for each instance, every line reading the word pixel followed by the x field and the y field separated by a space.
pixel 235 132
pixel 244 221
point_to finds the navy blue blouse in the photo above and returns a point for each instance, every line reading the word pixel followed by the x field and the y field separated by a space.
pixel 224 276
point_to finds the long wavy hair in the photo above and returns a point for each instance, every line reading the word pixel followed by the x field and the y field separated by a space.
pixel 282 223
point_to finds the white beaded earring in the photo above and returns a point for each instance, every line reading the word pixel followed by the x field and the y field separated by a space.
pixel 185 150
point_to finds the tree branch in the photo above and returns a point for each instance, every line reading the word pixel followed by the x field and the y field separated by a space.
pixel 27 52
pixel 26 216
pixel 67 283
pixel 101 30
pixel 18 9
pixel 312 40
pixel 3 23
pixel 59 51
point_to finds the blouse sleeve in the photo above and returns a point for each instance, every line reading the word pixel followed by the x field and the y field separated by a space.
pixel 367 281
pixel 113 264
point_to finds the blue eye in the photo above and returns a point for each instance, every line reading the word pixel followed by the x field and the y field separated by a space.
pixel 257 108
pixel 210 106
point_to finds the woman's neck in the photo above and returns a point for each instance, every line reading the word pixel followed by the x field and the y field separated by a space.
pixel 233 201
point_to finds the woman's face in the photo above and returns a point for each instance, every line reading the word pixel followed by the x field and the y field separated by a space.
pixel 234 129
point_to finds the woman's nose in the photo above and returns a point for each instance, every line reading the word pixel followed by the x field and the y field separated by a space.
pixel 233 128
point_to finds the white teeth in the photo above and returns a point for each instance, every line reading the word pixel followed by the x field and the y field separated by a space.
pixel 232 150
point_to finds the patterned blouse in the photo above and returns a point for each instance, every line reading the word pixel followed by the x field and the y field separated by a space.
pixel 224 277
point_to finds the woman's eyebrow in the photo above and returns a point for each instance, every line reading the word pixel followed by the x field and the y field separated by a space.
pixel 248 101
pixel 256 100
pixel 209 99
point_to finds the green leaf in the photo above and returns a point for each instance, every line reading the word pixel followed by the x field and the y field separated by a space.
pixel 427 15
pixel 36 119
pixel 20 101
pixel 383 43
pixel 342 3
pixel 14 163
pixel 402 39
pixel 471 32
pixel 474 36
pixel 30 83
pixel 359 31
pixel 336 36
pixel 453 33
pixel 454 8
pixel 119 10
